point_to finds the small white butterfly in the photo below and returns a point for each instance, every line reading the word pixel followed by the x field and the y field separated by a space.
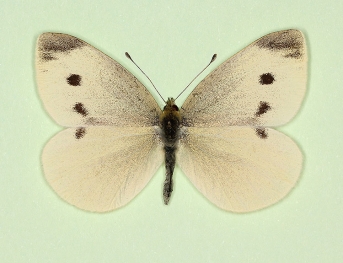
pixel 118 136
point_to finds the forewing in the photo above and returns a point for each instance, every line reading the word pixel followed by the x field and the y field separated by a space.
pixel 81 86
pixel 101 168
pixel 262 85
pixel 240 169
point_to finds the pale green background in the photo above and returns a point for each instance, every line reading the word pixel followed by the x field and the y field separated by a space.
pixel 172 41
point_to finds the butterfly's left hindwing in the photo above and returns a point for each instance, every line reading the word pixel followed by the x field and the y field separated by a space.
pixel 81 86
pixel 240 169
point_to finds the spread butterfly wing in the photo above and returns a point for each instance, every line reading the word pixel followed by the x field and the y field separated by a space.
pixel 238 170
pixel 95 166
pixel 101 168
pixel 81 86
pixel 262 85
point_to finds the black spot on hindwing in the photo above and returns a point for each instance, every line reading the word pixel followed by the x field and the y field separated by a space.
pixel 262 108
pixel 261 132
pixel 80 108
pixel 74 80
pixel 266 79
pixel 80 132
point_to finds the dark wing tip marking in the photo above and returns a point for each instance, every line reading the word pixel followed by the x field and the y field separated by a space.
pixel 262 108
pixel 80 108
pixel 261 132
pixel 74 80
pixel 266 79
pixel 80 133
pixel 47 56
pixel 57 42
pixel 52 43
pixel 290 42
pixel 295 54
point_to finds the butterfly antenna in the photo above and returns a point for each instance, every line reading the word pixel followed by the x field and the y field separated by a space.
pixel 212 59
pixel 129 57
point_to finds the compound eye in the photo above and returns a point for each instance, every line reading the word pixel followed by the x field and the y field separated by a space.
pixel 175 107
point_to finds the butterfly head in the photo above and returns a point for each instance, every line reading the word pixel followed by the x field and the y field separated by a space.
pixel 171 110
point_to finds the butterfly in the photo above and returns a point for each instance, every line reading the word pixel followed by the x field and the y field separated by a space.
pixel 118 136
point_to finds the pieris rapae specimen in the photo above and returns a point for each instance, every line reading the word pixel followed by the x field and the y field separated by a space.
pixel 118 136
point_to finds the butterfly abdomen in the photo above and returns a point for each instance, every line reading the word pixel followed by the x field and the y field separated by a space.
pixel 170 165
pixel 170 125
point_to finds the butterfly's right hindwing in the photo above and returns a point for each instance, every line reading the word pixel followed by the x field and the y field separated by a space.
pixel 81 86
pixel 101 168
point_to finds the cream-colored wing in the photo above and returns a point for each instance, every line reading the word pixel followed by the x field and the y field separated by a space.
pixel 262 85
pixel 101 168
pixel 81 86
pixel 240 169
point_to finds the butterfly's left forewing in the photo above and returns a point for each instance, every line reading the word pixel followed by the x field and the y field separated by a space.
pixel 262 85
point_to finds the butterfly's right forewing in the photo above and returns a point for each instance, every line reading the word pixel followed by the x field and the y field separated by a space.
pixel 81 86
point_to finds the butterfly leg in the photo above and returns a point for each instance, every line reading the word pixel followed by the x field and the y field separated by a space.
pixel 170 165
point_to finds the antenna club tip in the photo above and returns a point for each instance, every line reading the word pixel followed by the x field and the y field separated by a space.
pixel 128 55
pixel 213 58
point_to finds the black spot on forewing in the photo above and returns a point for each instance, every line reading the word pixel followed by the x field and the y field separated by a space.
pixel 80 133
pixel 261 132
pixel 74 80
pixel 262 108
pixel 51 43
pixel 290 42
pixel 266 79
pixel 80 108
